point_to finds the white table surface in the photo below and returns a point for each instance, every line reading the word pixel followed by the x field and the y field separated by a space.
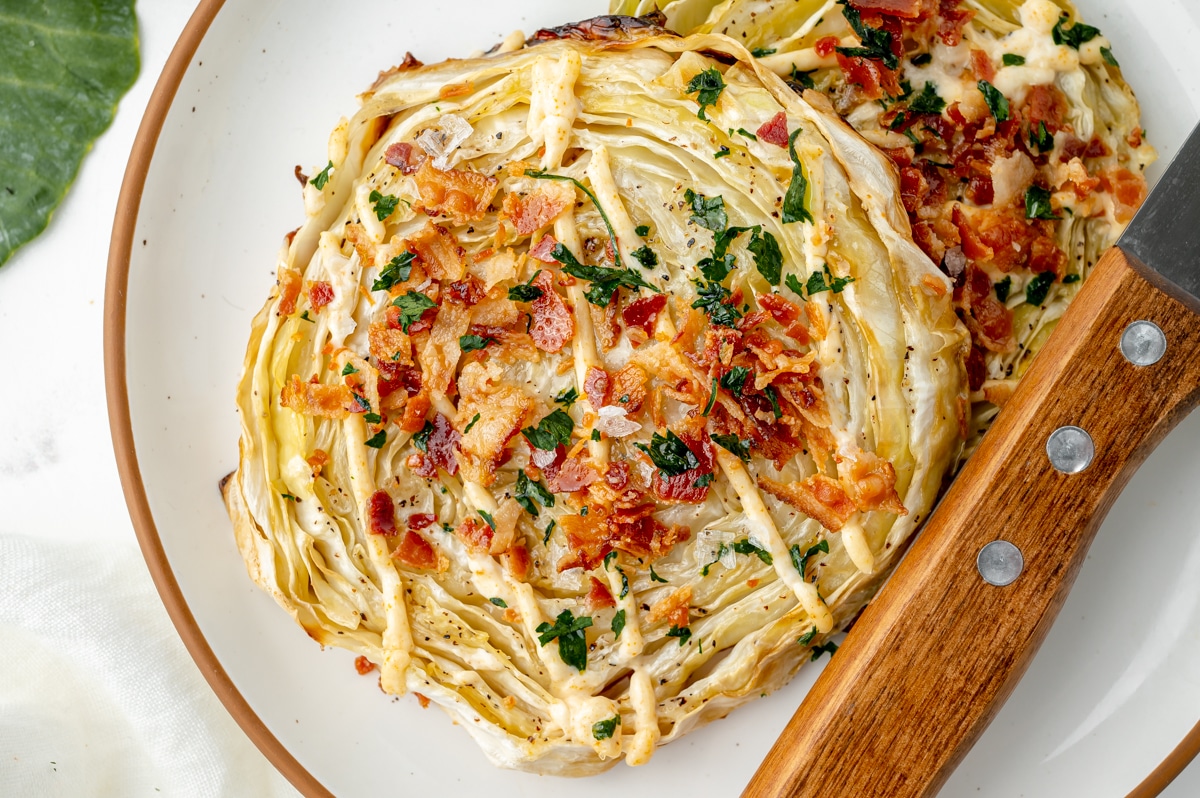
pixel 58 478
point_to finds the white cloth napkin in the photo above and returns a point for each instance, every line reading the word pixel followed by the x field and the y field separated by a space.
pixel 98 696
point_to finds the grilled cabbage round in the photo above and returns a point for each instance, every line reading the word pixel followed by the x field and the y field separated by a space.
pixel 601 384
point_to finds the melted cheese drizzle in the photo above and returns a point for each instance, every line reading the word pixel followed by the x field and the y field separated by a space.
pixel 768 533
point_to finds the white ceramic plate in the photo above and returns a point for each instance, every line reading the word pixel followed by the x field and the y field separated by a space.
pixel 1110 695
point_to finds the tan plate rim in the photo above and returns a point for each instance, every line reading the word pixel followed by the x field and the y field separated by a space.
pixel 116 390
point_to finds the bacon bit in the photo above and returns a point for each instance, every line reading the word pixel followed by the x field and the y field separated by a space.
pixel 572 475
pixel 1045 256
pixel 976 368
pixel 617 475
pixel 1134 139
pixel 628 389
pixel 634 531
pixel 595 387
pixel 315 399
pixel 442 444
pixel 467 292
pixel 516 561
pixel 405 157
pixel 643 312
pixel 289 290
pixel 318 460
pixel 421 520
pixel 599 596
pixel 544 247
pixel 416 551
pixel 906 9
pixel 674 607
pixel 381 514
pixel 980 190
pixel 1128 192
pixel 363 665
pixel 989 321
pixel 422 700
pixel 439 252
pixel 548 462
pixel 553 326
pixel 476 535
pixel 414 412
pixel 393 378
pixel 537 209
pixel 870 482
pixel 825 47
pixel 389 345
pixel 951 21
pixel 982 66
pixel 775 130
pixel 463 196
pixel 1045 103
pixel 819 497
pixel 682 487
pixel 502 410
pixel 780 309
pixel 972 245
pixel 320 294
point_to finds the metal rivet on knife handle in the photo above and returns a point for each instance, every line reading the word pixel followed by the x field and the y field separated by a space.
pixel 1143 343
pixel 1070 449
pixel 1000 563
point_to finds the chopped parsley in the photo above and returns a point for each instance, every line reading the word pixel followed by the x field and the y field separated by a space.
pixel 624 583
pixel 921 59
pixel 529 492
pixel 1037 204
pixel 491 522
pixel 526 292
pixel 735 378
pixel 377 440
pixel 397 270
pixel 744 546
pixel 827 648
pixel 655 577
pixel 372 418
pixel 642 230
pixel 793 282
pixel 421 438
pixel 706 212
pixel 817 284
pixel 761 52
pixel 712 399
pixel 1037 288
pixel 722 550
pixel 567 397
pixel 800 561
pixel 1012 59
pixel 322 177
pixel 997 103
pixel 794 208
pixel 1071 278
pixel 618 623
pixel 308 318
pixel 741 131
pixel 412 305
pixel 1041 138
pixel 768 258
pixel 876 42
pixel 710 297
pixel 1109 58
pixel 928 101
pixel 289 497
pixel 609 559
pixel 1073 36
pixel 499 602
pixel 470 343
pixel 348 369
pixel 384 204
pixel 807 637
pixel 1002 289
pixel 572 642
pixel 704 480
pixel 645 256
pixel 721 153
pixel 708 86
pixel 733 444
pixel 684 633
pixel 774 397
pixel 802 79
pixel 595 434
pixel 474 420
pixel 551 432
pixel 605 280
pixel 549 528
pixel 670 454
pixel 603 729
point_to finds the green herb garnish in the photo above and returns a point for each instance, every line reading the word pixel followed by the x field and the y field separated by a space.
pixel 474 420
pixel 709 84
pixel 572 642
pixel 377 440
pixel 996 102
pixel 322 177
pixel 827 648
pixel 744 546
pixel 397 270
pixel 499 602
pixel 794 207
pixel 603 729
pixel 1012 59
pixel 567 397
pixel 1002 289
pixel 733 444
pixel 412 305
pixel 526 292
pixel 1037 288
pixel 655 577
pixel 471 343
pixel 768 258
pixel 734 379
pixel 684 633
pixel 645 256
pixel 1037 204
pixel 384 204
pixel 618 623
pixel 928 101
pixel 876 42
pixel 551 432
pixel 421 438
pixel 528 492
pixel 800 561
pixel 1073 36
pixel 605 280
pixel 707 212
pixel 670 454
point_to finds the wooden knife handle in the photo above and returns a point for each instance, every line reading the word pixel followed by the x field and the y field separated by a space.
pixel 931 660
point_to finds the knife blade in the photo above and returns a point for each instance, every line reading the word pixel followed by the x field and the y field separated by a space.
pixel 931 660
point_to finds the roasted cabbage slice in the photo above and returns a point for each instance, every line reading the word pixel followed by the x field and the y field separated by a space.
pixel 1018 142
pixel 602 382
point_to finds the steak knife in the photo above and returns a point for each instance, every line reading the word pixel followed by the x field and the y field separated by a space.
pixel 931 660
